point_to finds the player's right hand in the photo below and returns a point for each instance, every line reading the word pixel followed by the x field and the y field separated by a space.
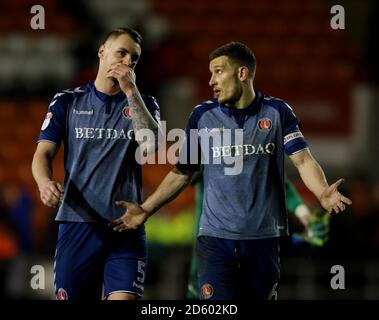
pixel 51 193
pixel 133 217
pixel 124 75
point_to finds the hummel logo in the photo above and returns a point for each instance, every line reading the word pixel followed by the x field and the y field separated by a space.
pixel 83 112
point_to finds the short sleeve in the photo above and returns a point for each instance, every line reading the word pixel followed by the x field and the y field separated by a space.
pixel 153 107
pixel 54 125
pixel 189 159
pixel 294 140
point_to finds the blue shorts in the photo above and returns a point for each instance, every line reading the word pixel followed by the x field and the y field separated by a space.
pixel 238 269
pixel 90 255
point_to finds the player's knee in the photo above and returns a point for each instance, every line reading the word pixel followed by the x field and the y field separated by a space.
pixel 122 296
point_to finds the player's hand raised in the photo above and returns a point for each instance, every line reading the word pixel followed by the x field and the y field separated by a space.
pixel 124 75
pixel 132 218
pixel 331 200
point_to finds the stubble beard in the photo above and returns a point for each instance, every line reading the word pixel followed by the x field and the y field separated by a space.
pixel 232 101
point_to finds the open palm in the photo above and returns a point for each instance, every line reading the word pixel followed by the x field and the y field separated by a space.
pixel 133 217
pixel 331 200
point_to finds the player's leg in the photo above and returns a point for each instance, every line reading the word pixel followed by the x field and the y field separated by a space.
pixel 119 296
pixel 260 268
pixel 122 296
pixel 78 263
pixel 218 268
pixel 125 266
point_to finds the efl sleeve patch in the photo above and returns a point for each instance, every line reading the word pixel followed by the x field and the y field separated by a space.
pixel 53 126
pixel 294 142
pixel 292 136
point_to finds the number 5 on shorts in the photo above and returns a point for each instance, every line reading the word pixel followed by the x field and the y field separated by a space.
pixel 141 271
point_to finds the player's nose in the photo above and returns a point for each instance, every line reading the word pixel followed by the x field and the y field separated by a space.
pixel 212 81
pixel 127 60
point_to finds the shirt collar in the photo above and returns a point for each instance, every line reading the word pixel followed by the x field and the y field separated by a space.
pixel 103 96
pixel 251 109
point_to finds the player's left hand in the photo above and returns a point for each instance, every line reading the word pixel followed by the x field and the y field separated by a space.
pixel 125 76
pixel 132 218
pixel 331 200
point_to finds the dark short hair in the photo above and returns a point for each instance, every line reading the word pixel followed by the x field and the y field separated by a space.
pixel 238 52
pixel 115 33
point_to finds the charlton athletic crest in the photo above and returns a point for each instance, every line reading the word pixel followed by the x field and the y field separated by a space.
pixel 264 124
pixel 126 113
pixel 206 291
pixel 62 294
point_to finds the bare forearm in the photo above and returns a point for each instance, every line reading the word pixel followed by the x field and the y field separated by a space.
pixel 141 117
pixel 51 192
pixel 172 185
pixel 313 177
pixel 42 168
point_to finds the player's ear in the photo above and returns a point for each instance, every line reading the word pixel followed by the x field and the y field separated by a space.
pixel 243 73
pixel 100 53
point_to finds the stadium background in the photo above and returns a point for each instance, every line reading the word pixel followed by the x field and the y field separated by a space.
pixel 329 76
